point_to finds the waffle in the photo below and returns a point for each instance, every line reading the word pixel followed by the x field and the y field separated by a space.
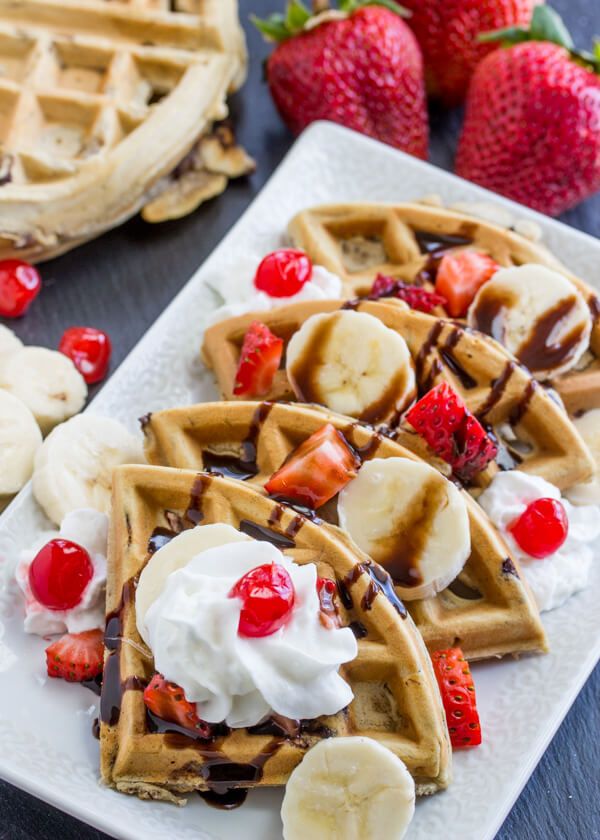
pixel 100 102
pixel 533 432
pixel 488 610
pixel 396 697
pixel 359 241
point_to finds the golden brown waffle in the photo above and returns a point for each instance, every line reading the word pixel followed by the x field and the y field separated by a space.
pixel 495 388
pixel 488 610
pixel 396 697
pixel 359 241
pixel 99 103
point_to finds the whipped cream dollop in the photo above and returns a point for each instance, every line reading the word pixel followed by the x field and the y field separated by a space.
pixel 243 297
pixel 554 579
pixel 89 529
pixel 192 630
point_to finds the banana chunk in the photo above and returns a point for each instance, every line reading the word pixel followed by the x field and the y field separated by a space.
pixel 537 314
pixel 411 520
pixel 353 364
pixel 46 381
pixel 73 467
pixel 588 426
pixel 20 438
pixel 350 788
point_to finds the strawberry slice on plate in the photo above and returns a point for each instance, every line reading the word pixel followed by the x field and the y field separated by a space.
pixel 167 701
pixel 259 359
pixel 460 276
pixel 456 435
pixel 76 656
pixel 316 471
pixel 416 297
pixel 458 697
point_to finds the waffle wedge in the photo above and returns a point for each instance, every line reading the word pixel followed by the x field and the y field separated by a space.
pixel 534 432
pixel 359 241
pixel 107 108
pixel 396 697
pixel 488 610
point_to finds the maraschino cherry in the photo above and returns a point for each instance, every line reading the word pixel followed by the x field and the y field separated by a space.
pixel 283 273
pixel 89 349
pixel 59 574
pixel 542 528
pixel 20 284
pixel 267 594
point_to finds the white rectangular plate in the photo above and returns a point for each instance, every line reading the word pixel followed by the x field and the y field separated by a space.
pixel 46 746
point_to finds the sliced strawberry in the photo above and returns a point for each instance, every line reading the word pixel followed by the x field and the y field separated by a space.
pixel 167 701
pixel 76 656
pixel 460 276
pixel 315 471
pixel 452 431
pixel 458 697
pixel 416 297
pixel 259 360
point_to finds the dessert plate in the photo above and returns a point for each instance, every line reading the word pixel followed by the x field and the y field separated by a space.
pixel 45 725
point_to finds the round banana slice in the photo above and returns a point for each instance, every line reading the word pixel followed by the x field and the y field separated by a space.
pixel 349 788
pixel 537 314
pixel 9 343
pixel 588 426
pixel 20 438
pixel 73 467
pixel 353 364
pixel 411 520
pixel 175 555
pixel 47 382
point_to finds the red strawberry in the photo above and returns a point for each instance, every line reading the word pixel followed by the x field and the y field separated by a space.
pixel 452 431
pixel 76 656
pixel 167 701
pixel 414 296
pixel 531 130
pixel 315 471
pixel 458 697
pixel 460 276
pixel 448 30
pixel 359 66
pixel 259 360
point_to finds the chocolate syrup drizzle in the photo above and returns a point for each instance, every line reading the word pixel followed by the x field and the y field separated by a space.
pixel 380 582
pixel 434 243
pixel 244 466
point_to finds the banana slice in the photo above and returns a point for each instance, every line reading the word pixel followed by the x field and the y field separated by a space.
pixel 46 381
pixel 588 426
pixel 537 314
pixel 350 788
pixel 9 343
pixel 73 467
pixel 352 363
pixel 175 555
pixel 20 438
pixel 409 519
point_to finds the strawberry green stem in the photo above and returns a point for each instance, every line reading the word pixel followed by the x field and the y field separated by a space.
pixel 280 27
pixel 546 25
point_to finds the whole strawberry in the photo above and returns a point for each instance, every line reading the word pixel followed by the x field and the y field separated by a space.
pixel 532 126
pixel 448 30
pixel 358 65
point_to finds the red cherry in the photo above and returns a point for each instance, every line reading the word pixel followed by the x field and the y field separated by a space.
pixel 267 593
pixel 20 283
pixel 59 574
pixel 542 528
pixel 283 273
pixel 89 349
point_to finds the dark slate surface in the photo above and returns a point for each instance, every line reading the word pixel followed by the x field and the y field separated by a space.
pixel 123 281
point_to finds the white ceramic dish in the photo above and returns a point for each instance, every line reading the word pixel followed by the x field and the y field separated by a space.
pixel 46 746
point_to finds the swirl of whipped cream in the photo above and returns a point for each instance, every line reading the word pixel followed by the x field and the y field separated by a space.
pixel 241 299
pixel 555 578
pixel 192 630
pixel 89 529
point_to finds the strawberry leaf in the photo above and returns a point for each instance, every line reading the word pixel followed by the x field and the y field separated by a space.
pixel 547 25
pixel 278 27
pixel 296 16
pixel 272 28
pixel 350 6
